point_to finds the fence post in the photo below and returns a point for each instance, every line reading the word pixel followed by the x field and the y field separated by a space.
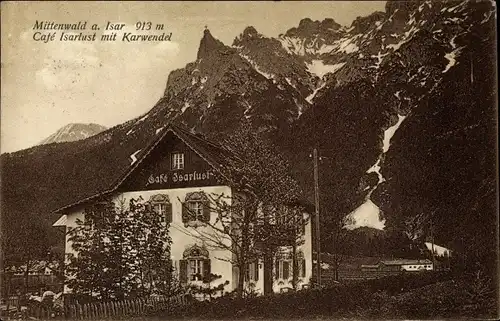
pixel 127 307
pixel 99 310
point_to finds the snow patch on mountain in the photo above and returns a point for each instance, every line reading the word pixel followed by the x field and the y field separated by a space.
pixel 246 113
pixel 398 45
pixel 319 68
pixel 376 169
pixel 159 129
pixel 256 67
pixel 311 96
pixel 451 57
pixel 380 58
pixel 389 132
pixel 368 214
pixel 348 46
pixel 186 106
pixel 439 250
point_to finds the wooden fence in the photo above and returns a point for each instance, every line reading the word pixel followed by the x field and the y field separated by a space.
pixel 130 307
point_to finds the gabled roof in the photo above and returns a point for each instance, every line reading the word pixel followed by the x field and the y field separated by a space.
pixel 212 153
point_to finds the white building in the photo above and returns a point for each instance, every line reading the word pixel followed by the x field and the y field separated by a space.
pixel 406 265
pixel 175 172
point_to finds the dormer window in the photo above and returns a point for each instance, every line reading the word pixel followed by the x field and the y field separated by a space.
pixel 177 161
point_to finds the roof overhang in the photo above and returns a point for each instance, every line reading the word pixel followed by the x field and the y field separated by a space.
pixel 170 128
pixel 61 221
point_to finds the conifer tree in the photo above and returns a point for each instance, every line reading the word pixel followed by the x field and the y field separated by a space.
pixel 120 251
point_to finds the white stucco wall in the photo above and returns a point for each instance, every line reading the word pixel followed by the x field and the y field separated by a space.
pixel 182 237
pixel 417 267
pixel 278 285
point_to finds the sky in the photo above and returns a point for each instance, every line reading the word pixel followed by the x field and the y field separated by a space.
pixel 46 85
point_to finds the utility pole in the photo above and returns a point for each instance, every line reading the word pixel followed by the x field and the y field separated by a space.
pixel 316 205
pixel 432 246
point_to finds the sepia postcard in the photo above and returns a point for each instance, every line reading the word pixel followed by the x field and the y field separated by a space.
pixel 247 160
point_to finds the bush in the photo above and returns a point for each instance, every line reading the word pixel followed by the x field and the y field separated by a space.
pixel 362 299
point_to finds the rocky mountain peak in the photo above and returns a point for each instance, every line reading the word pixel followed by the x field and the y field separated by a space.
pixel 362 24
pixel 73 132
pixel 209 44
pixel 250 33
pixel 308 27
pixel 402 6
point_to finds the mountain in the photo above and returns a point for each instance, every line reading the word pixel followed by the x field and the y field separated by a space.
pixel 401 106
pixel 73 132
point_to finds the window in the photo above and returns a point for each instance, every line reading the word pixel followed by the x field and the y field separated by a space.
pixel 252 272
pixel 162 206
pixel 195 270
pixel 195 265
pixel 196 208
pixel 283 269
pixel 302 268
pixel 177 161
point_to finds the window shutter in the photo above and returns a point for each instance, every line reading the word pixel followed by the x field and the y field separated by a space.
pixel 206 211
pixel 286 269
pixel 168 212
pixel 256 271
pixel 277 276
pixel 303 268
pixel 183 266
pixel 207 269
pixel 185 213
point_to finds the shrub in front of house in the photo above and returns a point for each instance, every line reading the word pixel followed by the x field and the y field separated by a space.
pixel 370 298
